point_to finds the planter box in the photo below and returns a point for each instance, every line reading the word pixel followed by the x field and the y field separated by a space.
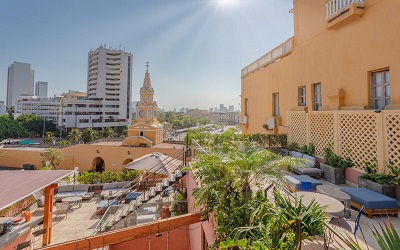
pixel 333 175
pixel 398 193
pixel 379 188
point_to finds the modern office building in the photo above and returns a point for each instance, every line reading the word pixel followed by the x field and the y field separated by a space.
pixel 41 89
pixel 19 82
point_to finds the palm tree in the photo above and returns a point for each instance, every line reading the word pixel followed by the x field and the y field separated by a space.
pixel 49 137
pixel 108 132
pixel 89 135
pixel 74 135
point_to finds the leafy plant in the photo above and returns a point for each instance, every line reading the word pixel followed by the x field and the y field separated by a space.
pixel 307 149
pixel 179 206
pixel 64 143
pixel 371 173
pixel 388 238
pixel 336 161
pixel 51 158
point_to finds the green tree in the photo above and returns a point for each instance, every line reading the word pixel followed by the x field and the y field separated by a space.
pixel 10 112
pixel 108 132
pixel 74 135
pixel 34 124
pixel 49 137
pixel 89 135
pixel 51 158
pixel 11 129
pixel 64 143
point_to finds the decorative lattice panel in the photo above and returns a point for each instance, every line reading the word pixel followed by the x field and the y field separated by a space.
pixel 321 131
pixel 298 127
pixel 358 133
pixel 392 134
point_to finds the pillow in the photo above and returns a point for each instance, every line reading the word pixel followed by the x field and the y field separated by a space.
pixel 66 188
pixel 296 154
pixel 310 161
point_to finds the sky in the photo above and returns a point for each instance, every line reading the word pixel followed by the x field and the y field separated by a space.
pixel 196 48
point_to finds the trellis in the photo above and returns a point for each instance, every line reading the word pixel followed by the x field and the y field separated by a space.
pixel 364 135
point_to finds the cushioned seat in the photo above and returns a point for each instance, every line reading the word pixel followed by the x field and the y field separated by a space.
pixel 294 181
pixel 131 196
pixel 307 167
pixel 375 203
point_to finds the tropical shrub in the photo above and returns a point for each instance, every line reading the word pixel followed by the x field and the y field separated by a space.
pixel 371 173
pixel 336 161
pixel 307 149
pixel 179 205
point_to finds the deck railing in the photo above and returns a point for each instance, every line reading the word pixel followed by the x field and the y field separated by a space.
pixel 335 6
pixel 280 51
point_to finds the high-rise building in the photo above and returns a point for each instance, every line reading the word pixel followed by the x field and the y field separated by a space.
pixel 110 80
pixel 41 89
pixel 231 108
pixel 19 82
pixel 2 108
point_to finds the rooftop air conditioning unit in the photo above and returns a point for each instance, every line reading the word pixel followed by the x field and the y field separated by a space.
pixel 272 122
pixel 244 120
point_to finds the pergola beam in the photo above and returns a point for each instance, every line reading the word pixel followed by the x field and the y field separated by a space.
pixel 127 234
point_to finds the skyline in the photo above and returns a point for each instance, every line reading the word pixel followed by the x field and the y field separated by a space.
pixel 196 48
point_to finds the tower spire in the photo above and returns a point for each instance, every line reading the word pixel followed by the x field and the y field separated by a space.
pixel 147 81
pixel 147 67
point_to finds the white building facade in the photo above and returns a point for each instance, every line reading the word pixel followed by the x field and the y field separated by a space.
pixel 2 108
pixel 19 82
pixel 41 89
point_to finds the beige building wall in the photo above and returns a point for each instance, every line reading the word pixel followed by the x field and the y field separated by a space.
pixel 81 156
pixel 341 60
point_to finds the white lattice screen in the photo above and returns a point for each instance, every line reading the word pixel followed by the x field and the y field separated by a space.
pixel 298 127
pixel 392 129
pixel 321 131
pixel 358 133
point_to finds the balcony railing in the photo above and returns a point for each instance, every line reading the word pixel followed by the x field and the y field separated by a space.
pixel 334 7
pixel 277 53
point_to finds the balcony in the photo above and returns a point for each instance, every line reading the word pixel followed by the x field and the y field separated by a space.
pixel 274 55
pixel 341 12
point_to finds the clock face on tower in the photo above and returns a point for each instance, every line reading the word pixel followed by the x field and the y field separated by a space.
pixel 141 113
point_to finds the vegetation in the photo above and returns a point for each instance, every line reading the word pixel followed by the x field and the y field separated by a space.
pixel 74 135
pixel 179 121
pixel 307 149
pixel 64 143
pixel 90 177
pixel 179 206
pixel 336 161
pixel 11 129
pixel 34 124
pixel 49 137
pixel 388 238
pixel 108 132
pixel 51 158
pixel 371 173
pixel 231 174
pixel 89 135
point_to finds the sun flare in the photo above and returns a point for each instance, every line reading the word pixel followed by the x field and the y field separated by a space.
pixel 227 2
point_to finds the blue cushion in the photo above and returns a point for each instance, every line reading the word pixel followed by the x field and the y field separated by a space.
pixel 370 199
pixel 306 178
pixel 131 196
pixel 104 204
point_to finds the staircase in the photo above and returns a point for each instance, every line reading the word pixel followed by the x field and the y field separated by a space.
pixel 137 207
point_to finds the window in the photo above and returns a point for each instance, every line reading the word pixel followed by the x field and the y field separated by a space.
pixel 317 98
pixel 302 96
pixel 246 106
pixel 380 89
pixel 275 104
pixel 141 133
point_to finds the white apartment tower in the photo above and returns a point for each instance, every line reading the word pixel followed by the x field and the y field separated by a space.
pixel 110 81
pixel 19 82
pixel 41 89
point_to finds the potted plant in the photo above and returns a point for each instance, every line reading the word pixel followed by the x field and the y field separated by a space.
pixel 380 182
pixel 307 149
pixel 334 166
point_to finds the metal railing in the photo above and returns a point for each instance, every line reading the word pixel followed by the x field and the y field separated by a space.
pixel 335 6
pixel 277 53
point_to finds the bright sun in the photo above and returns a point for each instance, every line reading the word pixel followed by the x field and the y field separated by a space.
pixel 227 2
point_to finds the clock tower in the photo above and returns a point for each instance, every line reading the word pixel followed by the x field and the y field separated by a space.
pixel 147 131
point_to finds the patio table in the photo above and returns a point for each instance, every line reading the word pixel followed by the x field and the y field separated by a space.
pixel 333 206
pixel 73 201
pixel 338 194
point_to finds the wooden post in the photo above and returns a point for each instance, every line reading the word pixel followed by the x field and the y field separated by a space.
pixel 298 234
pixel 48 213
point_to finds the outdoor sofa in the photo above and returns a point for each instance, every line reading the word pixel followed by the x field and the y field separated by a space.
pixel 306 168
pixel 373 202
pixel 80 190
pixel 115 188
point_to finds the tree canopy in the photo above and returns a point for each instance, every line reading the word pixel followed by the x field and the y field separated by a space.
pixel 11 129
pixel 180 121
pixel 34 124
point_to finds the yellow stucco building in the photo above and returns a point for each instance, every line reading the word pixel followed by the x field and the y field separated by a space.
pixel 147 131
pixel 336 81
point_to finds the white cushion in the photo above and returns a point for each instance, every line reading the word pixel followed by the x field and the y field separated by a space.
pixel 296 154
pixel 310 161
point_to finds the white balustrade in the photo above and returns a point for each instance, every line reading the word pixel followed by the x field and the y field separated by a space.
pixel 335 6
pixel 270 57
